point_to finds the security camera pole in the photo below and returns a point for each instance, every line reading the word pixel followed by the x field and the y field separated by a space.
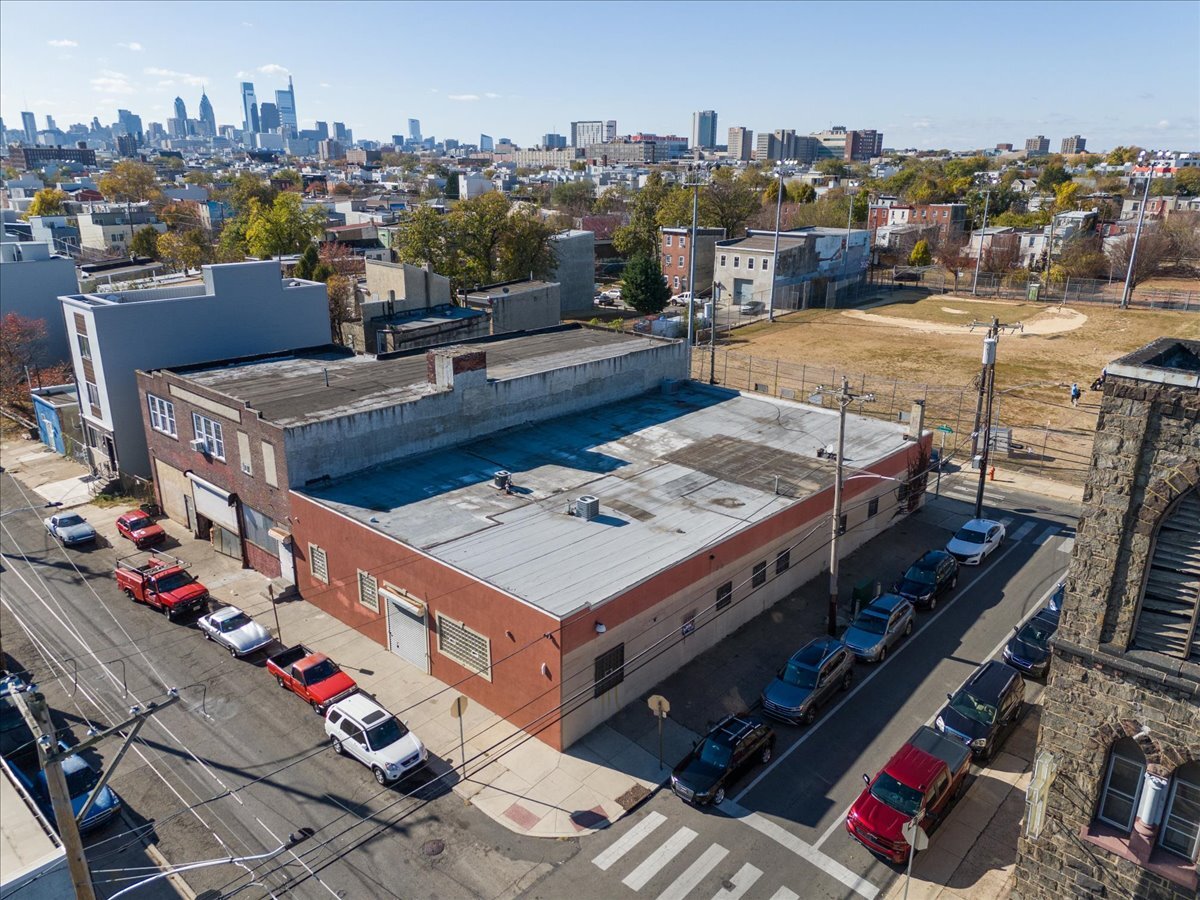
pixel 844 398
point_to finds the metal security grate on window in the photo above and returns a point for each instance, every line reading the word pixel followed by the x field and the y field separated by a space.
pixel 318 563
pixel 368 591
pixel 759 577
pixel 1169 619
pixel 725 595
pixel 610 670
pixel 468 648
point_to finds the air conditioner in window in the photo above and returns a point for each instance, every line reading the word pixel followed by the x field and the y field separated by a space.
pixel 200 446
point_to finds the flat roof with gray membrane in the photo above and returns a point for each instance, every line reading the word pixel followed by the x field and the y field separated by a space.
pixel 675 473
pixel 323 383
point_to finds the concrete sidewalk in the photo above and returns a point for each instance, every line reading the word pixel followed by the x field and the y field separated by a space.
pixel 529 788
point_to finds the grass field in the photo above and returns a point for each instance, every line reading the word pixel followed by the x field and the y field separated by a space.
pixel 1034 371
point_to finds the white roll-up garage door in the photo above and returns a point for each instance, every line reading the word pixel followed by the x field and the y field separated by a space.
pixel 408 635
pixel 214 503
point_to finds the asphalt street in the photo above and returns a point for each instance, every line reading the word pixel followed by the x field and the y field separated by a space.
pixel 237 765
pixel 781 834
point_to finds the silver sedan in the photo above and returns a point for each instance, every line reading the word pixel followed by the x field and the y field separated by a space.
pixel 234 630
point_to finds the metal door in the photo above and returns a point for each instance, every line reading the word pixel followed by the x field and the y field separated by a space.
pixel 287 567
pixel 743 290
pixel 408 636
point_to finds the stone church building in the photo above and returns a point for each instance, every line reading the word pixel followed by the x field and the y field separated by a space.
pixel 1113 809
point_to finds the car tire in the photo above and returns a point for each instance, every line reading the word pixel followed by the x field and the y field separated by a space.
pixel 380 777
pixel 233 652
pixel 882 656
pixel 847 679
pixel 806 717
pixel 932 603
pixel 908 628
pixel 338 748
pixel 954 582
pixel 279 681
pixel 719 797
pixel 129 594
pixel 207 636
pixel 766 754
pixel 316 707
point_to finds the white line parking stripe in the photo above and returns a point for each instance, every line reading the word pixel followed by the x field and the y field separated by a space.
pixel 1067 545
pixel 651 864
pixel 826 864
pixel 694 874
pixel 1023 530
pixel 1006 521
pixel 1051 531
pixel 742 882
pixel 785 894
pixel 629 840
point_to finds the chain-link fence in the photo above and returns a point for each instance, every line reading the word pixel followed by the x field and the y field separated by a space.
pixel 1051 450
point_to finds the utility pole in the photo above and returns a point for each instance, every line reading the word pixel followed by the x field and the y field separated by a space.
pixel 775 256
pixel 983 233
pixel 844 398
pixel 712 335
pixel 1137 234
pixel 987 385
pixel 692 273
pixel 37 714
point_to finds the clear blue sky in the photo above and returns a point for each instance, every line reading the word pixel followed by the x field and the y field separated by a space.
pixel 957 75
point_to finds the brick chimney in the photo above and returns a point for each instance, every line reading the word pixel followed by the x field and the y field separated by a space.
pixel 456 367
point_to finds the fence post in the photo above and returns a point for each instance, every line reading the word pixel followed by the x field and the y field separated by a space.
pixel 777 375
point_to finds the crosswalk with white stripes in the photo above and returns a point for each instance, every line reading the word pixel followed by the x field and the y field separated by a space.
pixel 695 881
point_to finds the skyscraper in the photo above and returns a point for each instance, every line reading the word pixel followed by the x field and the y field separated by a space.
pixel 285 102
pixel 249 108
pixel 741 143
pixel 29 123
pixel 50 126
pixel 590 132
pixel 180 108
pixel 554 141
pixel 1037 145
pixel 268 117
pixel 129 123
pixel 610 131
pixel 704 129
pixel 486 144
pixel 207 117
pixel 1073 144
pixel 414 130
pixel 322 130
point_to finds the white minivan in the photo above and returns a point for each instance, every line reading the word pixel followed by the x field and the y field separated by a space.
pixel 360 727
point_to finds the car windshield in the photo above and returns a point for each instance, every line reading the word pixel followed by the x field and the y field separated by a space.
pixel 386 733
pixel 900 797
pixel 1037 632
pixel 972 708
pixel 921 576
pixel 799 676
pixel 871 622
pixel 173 581
pixel 970 536
pixel 326 668
pixel 135 524
pixel 233 623
pixel 68 521
pixel 715 754
pixel 81 780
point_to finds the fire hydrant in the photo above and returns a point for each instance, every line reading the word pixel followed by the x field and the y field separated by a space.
pixel 992 474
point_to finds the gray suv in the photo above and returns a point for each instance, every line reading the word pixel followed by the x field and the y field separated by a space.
pixel 808 680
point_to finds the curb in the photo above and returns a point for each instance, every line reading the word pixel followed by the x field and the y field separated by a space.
pixel 182 888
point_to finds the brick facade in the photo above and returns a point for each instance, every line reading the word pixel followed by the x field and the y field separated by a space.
pixel 1102 689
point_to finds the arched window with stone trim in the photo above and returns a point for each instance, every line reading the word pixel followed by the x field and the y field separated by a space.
pixel 1122 784
pixel 1169 614
pixel 1180 832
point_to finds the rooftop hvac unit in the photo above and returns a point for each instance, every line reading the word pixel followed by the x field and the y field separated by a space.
pixel 501 480
pixel 587 507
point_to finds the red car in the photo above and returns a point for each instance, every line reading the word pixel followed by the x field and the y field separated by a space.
pixel 140 528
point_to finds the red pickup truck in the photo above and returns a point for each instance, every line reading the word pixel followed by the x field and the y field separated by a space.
pixel 161 582
pixel 314 676
pixel 922 779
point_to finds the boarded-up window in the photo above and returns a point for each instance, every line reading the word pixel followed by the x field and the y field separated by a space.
pixel 725 595
pixel 258 529
pixel 268 454
pixel 1168 619
pixel 318 563
pixel 247 464
pixel 783 561
pixel 468 648
pixel 368 591
pixel 759 576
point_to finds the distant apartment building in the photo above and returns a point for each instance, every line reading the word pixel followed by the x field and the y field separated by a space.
pixel 1004 148
pixel 330 149
pixel 676 248
pixel 472 186
pixel 839 142
pixel 640 152
pixel 610 130
pixel 766 148
pixel 551 141
pixel 704 129
pixel 1037 145
pixel 949 218
pixel 1073 144
pixel 114 229
pixel 486 143
pixel 741 144
pixel 584 134
pixel 36 157
pixel 235 310
pixel 667 146
pixel 559 158
pixel 32 279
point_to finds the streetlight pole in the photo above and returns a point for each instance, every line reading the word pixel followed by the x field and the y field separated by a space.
pixel 983 234
pixel 692 272
pixel 775 254
pixel 1137 234
pixel 712 335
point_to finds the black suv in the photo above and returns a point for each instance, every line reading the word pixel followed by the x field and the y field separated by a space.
pixel 928 578
pixel 1029 649
pixel 726 752
pixel 985 709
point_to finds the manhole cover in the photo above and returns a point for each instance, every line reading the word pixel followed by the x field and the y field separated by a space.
pixel 433 848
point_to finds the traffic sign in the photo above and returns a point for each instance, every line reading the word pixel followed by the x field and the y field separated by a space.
pixel 659 706
pixel 458 706
pixel 945 429
pixel 915 834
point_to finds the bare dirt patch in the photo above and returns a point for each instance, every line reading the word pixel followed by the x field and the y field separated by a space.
pixel 1052 320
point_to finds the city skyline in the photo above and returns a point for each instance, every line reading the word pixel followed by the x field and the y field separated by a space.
pixel 105 61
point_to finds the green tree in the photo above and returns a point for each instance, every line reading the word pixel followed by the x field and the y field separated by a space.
pixel 640 236
pixel 246 187
pixel 1120 155
pixel 575 198
pixel 283 227
pixel 1187 181
pixel 1065 195
pixel 231 246
pixel 1051 177
pixel 198 176
pixel 46 202
pixel 129 181
pixel 307 263
pixel 730 202
pixel 1081 257
pixel 1034 219
pixel 423 239
pixel 451 191
pixel 291 176
pixel 525 247
pixel 801 192
pixel 145 242
pixel 477 228
pixel 183 250
pixel 832 166
pixel 643 287
pixel 921 255
pixel 676 209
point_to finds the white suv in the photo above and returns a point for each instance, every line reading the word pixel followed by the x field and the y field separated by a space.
pixel 360 727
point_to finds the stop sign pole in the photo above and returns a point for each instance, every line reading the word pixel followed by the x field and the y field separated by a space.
pixel 660 707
